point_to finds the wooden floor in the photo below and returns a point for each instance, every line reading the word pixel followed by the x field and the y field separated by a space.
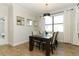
pixel 23 50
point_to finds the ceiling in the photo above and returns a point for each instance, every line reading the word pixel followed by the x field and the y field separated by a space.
pixel 41 8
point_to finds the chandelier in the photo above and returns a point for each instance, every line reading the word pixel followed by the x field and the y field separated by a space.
pixel 46 14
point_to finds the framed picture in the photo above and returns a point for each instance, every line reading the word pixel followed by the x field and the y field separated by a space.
pixel 20 21
pixel 29 22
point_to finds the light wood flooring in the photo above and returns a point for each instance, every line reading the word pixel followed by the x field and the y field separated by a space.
pixel 23 50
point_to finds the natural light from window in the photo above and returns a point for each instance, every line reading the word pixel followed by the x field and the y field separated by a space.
pixel 48 23
pixel 58 23
pixel 48 20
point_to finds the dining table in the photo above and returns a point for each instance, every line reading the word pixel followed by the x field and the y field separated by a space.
pixel 42 38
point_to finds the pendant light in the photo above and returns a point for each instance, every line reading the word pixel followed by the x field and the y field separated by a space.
pixel 46 14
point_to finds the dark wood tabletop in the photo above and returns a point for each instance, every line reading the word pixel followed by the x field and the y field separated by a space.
pixel 42 38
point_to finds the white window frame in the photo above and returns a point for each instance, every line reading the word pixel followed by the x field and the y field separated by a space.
pixel 59 23
pixel 49 25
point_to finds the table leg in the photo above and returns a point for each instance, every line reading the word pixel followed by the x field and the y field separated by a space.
pixel 47 46
pixel 31 43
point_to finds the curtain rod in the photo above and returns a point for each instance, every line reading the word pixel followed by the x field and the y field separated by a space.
pixel 62 11
pixel 57 12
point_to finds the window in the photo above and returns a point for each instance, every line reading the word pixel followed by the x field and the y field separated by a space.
pixel 58 23
pixel 29 22
pixel 48 23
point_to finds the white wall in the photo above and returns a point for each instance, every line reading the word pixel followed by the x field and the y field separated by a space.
pixel 41 25
pixel 21 33
pixel 4 13
pixel 10 24
pixel 68 25
pixel 2 25
pixel 76 30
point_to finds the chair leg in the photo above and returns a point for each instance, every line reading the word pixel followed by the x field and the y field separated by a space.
pixel 52 49
pixel 56 43
pixel 39 46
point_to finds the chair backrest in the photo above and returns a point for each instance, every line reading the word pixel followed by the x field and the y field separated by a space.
pixel 35 33
pixel 51 40
pixel 54 37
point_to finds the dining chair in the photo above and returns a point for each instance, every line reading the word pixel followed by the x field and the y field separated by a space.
pixel 56 41
pixel 53 42
pixel 43 43
pixel 36 42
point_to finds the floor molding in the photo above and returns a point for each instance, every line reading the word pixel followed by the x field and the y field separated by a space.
pixel 19 43
pixel 69 43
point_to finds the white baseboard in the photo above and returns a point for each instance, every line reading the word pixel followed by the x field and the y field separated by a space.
pixel 19 43
pixel 5 43
pixel 75 44
pixel 70 43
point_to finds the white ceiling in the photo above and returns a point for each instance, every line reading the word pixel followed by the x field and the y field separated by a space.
pixel 41 8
